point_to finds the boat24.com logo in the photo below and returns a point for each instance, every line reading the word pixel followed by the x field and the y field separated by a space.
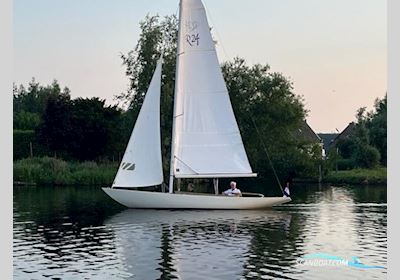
pixel 321 259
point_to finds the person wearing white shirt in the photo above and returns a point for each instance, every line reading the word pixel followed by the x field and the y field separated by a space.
pixel 233 191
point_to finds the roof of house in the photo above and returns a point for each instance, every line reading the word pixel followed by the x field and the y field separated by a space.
pixel 348 131
pixel 306 133
pixel 327 139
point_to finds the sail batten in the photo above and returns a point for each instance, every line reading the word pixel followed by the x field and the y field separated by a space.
pixel 141 165
pixel 207 139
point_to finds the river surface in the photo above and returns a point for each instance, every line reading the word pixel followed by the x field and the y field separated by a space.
pixel 80 233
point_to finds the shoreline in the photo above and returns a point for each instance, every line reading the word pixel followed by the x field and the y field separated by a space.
pixel 362 177
pixel 57 172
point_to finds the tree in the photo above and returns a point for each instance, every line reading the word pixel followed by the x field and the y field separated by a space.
pixel 367 146
pixel 377 126
pixel 366 156
pixel 95 129
pixel 55 130
pixel 82 129
pixel 30 104
pixel 256 94
pixel 23 120
pixel 266 100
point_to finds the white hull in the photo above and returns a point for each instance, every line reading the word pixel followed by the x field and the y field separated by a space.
pixel 158 200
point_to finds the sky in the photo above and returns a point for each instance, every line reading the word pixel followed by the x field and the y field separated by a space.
pixel 334 51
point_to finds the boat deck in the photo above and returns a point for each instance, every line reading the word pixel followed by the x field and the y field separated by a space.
pixel 244 194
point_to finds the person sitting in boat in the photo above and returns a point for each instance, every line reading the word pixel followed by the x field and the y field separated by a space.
pixel 233 191
pixel 190 187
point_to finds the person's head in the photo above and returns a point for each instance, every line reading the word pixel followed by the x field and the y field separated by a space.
pixel 233 185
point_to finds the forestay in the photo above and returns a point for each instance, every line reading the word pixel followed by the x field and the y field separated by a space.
pixel 207 138
pixel 141 164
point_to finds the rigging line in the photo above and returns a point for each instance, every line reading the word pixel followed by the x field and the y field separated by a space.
pixel 266 152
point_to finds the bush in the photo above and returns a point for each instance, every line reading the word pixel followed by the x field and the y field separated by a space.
pixel 26 120
pixel 21 143
pixel 52 171
pixel 367 156
pixel 358 176
pixel 346 164
pixel 22 140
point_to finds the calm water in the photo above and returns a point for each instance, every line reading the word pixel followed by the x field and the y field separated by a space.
pixel 79 233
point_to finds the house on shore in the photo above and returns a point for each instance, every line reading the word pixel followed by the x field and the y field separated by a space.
pixel 346 133
pixel 331 140
pixel 307 134
pixel 327 139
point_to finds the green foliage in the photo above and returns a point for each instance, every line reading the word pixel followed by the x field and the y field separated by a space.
pixel 366 147
pixel 83 129
pixel 361 135
pixel 22 140
pixel 96 129
pixel 357 176
pixel 346 163
pixel 21 143
pixel 347 146
pixel 157 36
pixel 52 171
pixel 30 104
pixel 265 99
pixel 355 153
pixel 366 156
pixel 23 120
pixel 377 126
pixel 55 129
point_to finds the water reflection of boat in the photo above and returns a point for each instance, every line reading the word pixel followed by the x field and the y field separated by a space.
pixel 188 244
pixel 163 217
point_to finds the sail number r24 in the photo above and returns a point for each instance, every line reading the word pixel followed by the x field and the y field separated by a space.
pixel 193 39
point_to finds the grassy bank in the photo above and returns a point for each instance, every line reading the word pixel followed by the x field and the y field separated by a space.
pixel 357 176
pixel 52 171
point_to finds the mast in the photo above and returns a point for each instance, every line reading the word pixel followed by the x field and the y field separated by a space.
pixel 171 169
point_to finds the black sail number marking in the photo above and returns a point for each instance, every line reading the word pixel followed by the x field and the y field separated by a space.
pixel 193 39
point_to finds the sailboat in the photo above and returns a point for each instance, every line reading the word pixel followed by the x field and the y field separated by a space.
pixel 206 141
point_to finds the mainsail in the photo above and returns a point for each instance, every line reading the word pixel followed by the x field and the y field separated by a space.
pixel 207 141
pixel 141 164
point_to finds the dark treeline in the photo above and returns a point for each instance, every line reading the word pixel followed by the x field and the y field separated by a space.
pixel 73 129
pixel 88 129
